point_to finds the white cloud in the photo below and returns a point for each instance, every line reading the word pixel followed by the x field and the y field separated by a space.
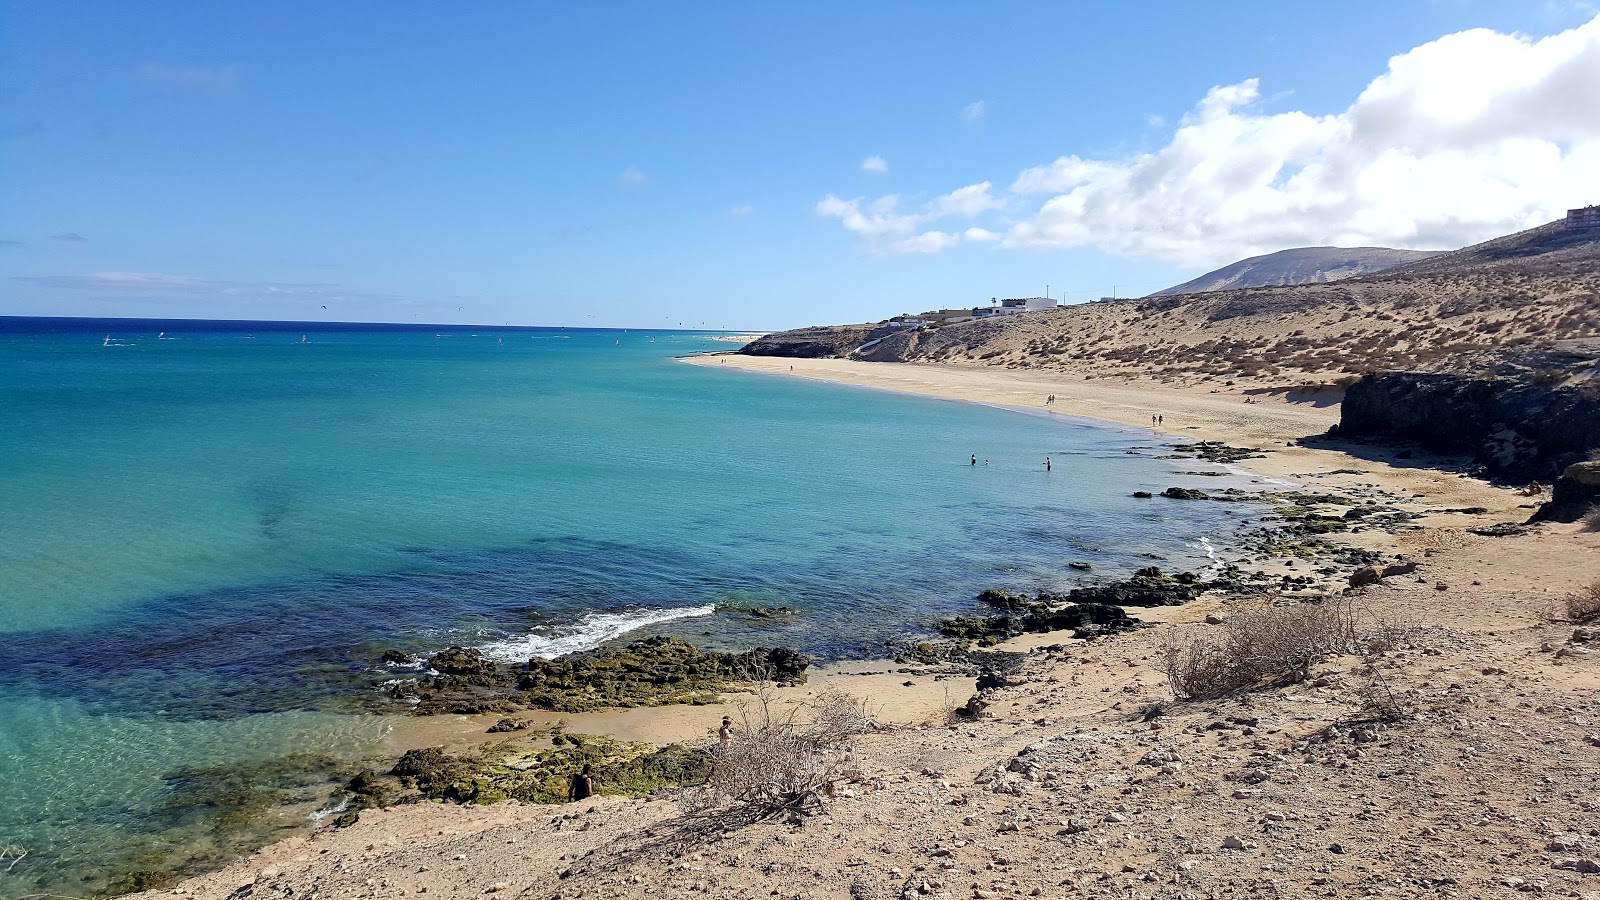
pixel 928 242
pixel 966 202
pixel 740 212
pixel 1156 120
pixel 875 164
pixel 980 236
pixel 632 176
pixel 974 112
pixel 1469 136
pixel 882 218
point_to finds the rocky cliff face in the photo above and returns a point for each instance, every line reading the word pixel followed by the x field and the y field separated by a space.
pixel 811 343
pixel 1518 431
pixel 1576 494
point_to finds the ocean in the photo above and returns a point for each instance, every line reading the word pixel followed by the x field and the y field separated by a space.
pixel 209 532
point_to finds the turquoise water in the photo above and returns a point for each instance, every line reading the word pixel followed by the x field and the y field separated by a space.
pixel 207 537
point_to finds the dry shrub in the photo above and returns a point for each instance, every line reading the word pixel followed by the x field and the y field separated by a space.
pixel 1581 607
pixel 1591 521
pixel 1278 643
pixel 1378 702
pixel 776 763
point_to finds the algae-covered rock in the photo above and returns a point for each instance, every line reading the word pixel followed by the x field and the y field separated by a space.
pixel 651 672
pixel 514 770
pixel 1178 493
pixel 462 661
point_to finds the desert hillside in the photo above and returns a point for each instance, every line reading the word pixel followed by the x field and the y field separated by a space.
pixel 1528 302
pixel 1301 265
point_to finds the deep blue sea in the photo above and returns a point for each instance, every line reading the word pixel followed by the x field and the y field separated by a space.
pixel 209 530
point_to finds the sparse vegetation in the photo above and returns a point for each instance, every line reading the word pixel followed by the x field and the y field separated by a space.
pixel 777 764
pixel 1259 646
pixel 1581 607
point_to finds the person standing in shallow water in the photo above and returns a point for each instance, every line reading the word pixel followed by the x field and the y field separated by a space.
pixel 583 784
pixel 1047 463
pixel 974 459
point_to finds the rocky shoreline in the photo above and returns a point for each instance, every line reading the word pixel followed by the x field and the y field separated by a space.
pixel 650 672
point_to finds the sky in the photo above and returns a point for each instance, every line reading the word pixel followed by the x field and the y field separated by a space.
pixel 755 165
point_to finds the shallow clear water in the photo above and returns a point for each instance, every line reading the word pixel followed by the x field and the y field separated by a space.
pixel 207 538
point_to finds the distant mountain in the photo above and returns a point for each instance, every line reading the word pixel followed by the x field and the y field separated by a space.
pixel 1555 248
pixel 1302 265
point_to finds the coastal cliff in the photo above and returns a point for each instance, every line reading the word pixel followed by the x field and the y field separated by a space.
pixel 1517 430
pixel 811 343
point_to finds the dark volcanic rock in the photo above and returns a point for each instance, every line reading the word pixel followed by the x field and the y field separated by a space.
pixel 1518 430
pixel 1087 619
pixel 811 343
pixel 1148 587
pixel 1577 492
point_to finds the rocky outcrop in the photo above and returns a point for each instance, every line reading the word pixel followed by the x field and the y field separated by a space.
pixel 1083 619
pixel 1517 430
pixel 1577 492
pixel 811 343
pixel 651 672
pixel 467 662
pixel 530 772
pixel 1148 587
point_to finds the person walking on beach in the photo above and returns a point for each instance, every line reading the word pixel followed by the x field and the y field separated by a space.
pixel 583 784
pixel 1161 420
pixel 725 733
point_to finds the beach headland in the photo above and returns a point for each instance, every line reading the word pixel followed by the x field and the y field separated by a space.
pixel 1080 776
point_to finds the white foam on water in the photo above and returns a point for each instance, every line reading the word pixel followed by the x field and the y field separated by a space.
pixel 587 633
pixel 319 815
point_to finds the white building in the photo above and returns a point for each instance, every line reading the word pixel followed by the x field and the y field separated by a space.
pixel 1013 306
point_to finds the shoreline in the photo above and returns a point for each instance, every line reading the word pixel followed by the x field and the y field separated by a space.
pixel 1084 682
pixel 1190 415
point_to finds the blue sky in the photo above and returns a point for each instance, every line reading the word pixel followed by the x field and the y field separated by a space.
pixel 663 164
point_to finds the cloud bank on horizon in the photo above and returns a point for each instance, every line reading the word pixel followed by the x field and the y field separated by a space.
pixel 1469 136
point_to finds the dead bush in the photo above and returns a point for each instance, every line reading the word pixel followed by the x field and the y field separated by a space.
pixel 1591 521
pixel 1378 701
pixel 780 762
pixel 1277 643
pixel 1581 607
